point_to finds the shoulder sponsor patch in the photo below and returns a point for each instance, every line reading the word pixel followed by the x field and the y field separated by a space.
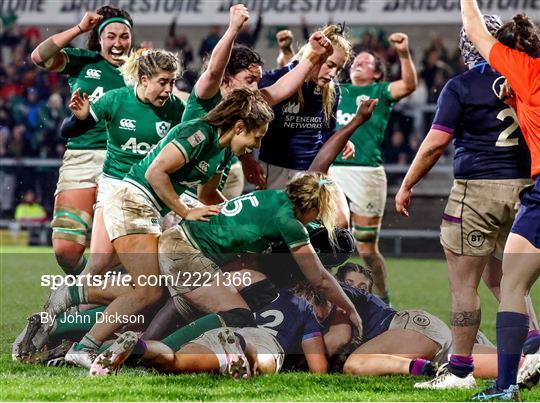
pixel 196 138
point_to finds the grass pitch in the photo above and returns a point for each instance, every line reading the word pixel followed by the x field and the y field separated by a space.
pixel 413 284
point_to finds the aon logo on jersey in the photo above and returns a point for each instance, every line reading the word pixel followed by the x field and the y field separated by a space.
pixel 344 118
pixel 141 148
pixel 98 93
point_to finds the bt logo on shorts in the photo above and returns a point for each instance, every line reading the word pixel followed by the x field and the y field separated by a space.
pixel 93 73
pixel 128 124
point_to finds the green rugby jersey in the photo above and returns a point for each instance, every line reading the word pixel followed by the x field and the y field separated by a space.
pixel 197 108
pixel 199 144
pixel 133 127
pixel 369 137
pixel 90 72
pixel 249 223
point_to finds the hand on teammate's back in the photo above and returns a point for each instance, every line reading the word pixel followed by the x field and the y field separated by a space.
pixel 79 104
pixel 238 16
pixel 365 109
pixel 89 21
pixel 202 213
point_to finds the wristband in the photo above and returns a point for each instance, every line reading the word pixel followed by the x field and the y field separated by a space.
pixel 80 29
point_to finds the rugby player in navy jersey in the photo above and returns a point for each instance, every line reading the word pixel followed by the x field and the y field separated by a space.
pixel 286 325
pixel 491 167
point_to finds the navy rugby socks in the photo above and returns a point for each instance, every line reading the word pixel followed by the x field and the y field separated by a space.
pixel 512 329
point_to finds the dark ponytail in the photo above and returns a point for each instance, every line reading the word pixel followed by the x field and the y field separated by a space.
pixel 520 34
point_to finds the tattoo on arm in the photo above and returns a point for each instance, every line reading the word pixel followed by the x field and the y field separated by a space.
pixel 466 318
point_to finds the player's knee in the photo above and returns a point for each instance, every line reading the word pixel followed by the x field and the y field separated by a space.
pixel 148 295
pixel 238 317
pixel 69 256
pixel 70 229
pixel 351 367
pixel 266 364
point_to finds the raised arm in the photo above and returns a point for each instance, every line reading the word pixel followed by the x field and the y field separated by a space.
pixel 333 146
pixel 476 28
pixel 429 153
pixel 209 82
pixel 47 54
pixel 406 86
pixel 285 43
pixel 288 85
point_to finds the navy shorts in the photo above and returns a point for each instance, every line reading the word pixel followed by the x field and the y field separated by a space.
pixel 527 222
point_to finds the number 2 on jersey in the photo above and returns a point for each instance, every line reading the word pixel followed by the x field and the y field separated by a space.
pixel 503 140
pixel 277 320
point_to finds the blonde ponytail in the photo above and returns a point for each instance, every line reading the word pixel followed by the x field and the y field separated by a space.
pixel 309 190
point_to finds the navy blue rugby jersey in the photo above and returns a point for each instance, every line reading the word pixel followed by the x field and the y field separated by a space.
pixel 297 132
pixel 487 138
pixel 290 319
pixel 375 313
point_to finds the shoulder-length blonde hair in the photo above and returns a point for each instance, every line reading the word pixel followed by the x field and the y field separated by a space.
pixel 335 35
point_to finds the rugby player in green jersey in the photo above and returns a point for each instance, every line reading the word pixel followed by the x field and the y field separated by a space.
pixel 193 152
pixel 232 67
pixel 362 178
pixel 94 71
pixel 251 224
pixel 137 117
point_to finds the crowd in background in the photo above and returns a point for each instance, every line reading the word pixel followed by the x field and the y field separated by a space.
pixel 33 102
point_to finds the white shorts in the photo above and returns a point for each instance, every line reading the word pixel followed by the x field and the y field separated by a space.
pixel 263 342
pixel 427 324
pixel 106 187
pixel 277 177
pixel 129 211
pixel 365 187
pixel 81 169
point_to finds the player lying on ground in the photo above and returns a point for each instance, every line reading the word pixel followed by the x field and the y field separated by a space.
pixel 424 340
pixel 286 325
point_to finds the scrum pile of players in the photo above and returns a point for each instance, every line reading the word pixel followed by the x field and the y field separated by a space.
pixel 250 289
